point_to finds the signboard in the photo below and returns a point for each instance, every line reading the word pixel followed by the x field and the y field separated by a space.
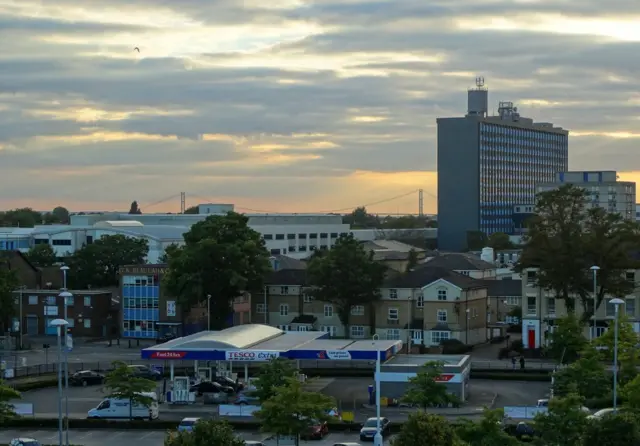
pixel 143 270
pixel 523 412
pixel 69 342
pixel 399 377
pixel 444 378
pixel 251 355
pixel 335 355
pixel 157 368
pixel 168 355
pixel 171 308
pixel 22 409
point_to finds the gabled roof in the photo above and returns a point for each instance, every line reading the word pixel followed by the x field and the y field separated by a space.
pixel 457 261
pixel 287 277
pixel 285 262
pixel 503 288
pixel 425 274
pixel 8 255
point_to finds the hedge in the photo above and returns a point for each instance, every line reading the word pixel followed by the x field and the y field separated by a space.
pixel 511 376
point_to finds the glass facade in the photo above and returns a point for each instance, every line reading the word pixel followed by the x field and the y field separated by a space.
pixel 512 161
pixel 140 301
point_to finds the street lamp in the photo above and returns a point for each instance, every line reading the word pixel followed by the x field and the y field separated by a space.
pixel 467 334
pixel 21 288
pixel 208 312
pixel 60 324
pixel 65 295
pixel 616 303
pixel 595 270
pixel 377 439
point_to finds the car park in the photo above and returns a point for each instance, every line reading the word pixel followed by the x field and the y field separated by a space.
pixel 247 398
pixel 187 424
pixel 211 387
pixel 370 428
pixel 142 371
pixel 24 442
pixel 86 378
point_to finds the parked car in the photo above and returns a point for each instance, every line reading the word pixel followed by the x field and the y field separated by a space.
pixel 211 387
pixel 247 398
pixel 228 382
pixel 142 371
pixel 86 378
pixel 187 424
pixel 24 442
pixel 166 338
pixel 524 430
pixel 253 443
pixel 370 427
pixel 316 431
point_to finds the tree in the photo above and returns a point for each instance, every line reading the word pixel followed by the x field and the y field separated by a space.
pixel 164 258
pixel 6 395
pixel 425 391
pixel 205 433
pixel 272 375
pixel 98 264
pixel 631 393
pixel 487 432
pixel 42 255
pixel 292 411
pixel 122 383
pixel 134 209
pixel 587 377
pixel 499 240
pixel 567 340
pixel 8 284
pixel 361 219
pixel 425 429
pixel 345 276
pixel 61 215
pixel 192 210
pixel 621 429
pixel 565 238
pixel 23 218
pixel 627 341
pixel 476 240
pixel 564 423
pixel 412 260
pixel 222 257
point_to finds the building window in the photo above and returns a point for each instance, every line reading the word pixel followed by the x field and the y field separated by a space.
pixel 416 336
pixel 393 293
pixel 531 277
pixel 275 252
pixel 313 236
pixel 87 301
pixel 279 236
pixel 357 331
pixel 328 311
pixel 630 307
pixel 442 294
pixel 303 328
pixel 442 315
pixel 438 336
pixel 61 242
pixel 513 300
pixel 392 314
pixel 331 329
pixel 284 290
pixel 284 327
pixel 357 310
pixel 87 323
pixel 291 236
pixel 260 309
pixel 69 301
pixel 50 300
pixel 33 300
pixel 393 334
pixel 302 236
pixel 307 298
pixel 420 300
pixel 532 306
pixel 551 305
pixel 284 310
pixel 464 273
pixel 334 235
pixel 268 236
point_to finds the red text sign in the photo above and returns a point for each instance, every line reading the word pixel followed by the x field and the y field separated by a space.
pixel 168 355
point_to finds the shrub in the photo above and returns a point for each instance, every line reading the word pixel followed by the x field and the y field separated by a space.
pixel 514 329
pixel 517 346
pixel 454 347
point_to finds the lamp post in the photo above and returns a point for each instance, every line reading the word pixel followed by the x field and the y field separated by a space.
pixel 595 270
pixel 409 324
pixel 208 312
pixel 22 288
pixel 616 302
pixel 377 439
pixel 60 324
pixel 467 334
pixel 65 295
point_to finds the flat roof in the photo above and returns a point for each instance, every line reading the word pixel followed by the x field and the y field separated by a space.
pixel 289 341
pixel 420 360
pixel 326 344
pixel 234 338
pixel 371 345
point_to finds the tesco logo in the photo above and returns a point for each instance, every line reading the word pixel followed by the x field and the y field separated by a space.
pixel 251 355
pixel 168 355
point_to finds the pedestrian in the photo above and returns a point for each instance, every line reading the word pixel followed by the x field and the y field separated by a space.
pixel 521 362
pixel 513 362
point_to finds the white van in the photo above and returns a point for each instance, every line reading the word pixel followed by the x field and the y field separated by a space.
pixel 119 408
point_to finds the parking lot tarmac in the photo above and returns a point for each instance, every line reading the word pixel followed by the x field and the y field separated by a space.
pixel 147 438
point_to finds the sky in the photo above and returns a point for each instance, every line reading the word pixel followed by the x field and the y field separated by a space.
pixel 293 105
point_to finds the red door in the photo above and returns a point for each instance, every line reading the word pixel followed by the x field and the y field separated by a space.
pixel 531 337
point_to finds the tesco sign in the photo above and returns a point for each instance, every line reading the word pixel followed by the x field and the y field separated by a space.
pixel 251 355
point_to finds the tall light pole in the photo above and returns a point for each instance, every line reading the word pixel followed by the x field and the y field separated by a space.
pixel 616 302
pixel 66 295
pixel 22 288
pixel 61 325
pixel 468 317
pixel 595 270
pixel 409 325
pixel 208 312
pixel 377 439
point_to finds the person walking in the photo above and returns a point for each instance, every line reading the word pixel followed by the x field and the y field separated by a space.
pixel 513 362
pixel 521 362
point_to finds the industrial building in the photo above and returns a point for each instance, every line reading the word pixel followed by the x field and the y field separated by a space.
pixel 488 164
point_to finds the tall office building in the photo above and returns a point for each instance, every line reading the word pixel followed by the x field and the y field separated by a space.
pixel 488 164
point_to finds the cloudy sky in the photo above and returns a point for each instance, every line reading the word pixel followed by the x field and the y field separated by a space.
pixel 293 105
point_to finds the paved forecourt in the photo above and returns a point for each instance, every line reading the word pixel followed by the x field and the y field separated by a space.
pixel 144 438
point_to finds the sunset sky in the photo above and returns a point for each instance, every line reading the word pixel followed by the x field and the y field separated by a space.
pixel 293 105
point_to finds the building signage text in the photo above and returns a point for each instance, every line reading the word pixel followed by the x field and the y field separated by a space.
pixel 143 270
pixel 337 355
pixel 168 355
pixel 251 355
pixel 444 378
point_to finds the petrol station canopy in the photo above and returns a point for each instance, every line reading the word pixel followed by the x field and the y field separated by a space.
pixel 256 342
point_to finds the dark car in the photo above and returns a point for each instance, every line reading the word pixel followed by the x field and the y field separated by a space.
pixel 142 371
pixel 211 387
pixel 316 431
pixel 370 427
pixel 166 338
pixel 524 430
pixel 86 378
pixel 228 382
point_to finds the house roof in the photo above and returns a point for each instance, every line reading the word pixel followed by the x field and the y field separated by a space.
pixel 8 255
pixel 503 288
pixel 285 262
pixel 456 261
pixel 287 277
pixel 426 274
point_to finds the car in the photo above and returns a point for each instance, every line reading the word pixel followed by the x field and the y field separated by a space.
pixel 142 371
pixel 228 382
pixel 370 427
pixel 23 441
pixel 166 338
pixel 348 443
pixel 187 424
pixel 247 398
pixel 253 443
pixel 210 387
pixel 85 378
pixel 604 412
pixel 524 430
pixel 316 431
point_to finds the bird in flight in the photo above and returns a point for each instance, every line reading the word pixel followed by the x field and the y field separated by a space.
pixel 136 49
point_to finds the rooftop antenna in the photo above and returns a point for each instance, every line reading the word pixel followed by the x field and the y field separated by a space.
pixel 480 81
